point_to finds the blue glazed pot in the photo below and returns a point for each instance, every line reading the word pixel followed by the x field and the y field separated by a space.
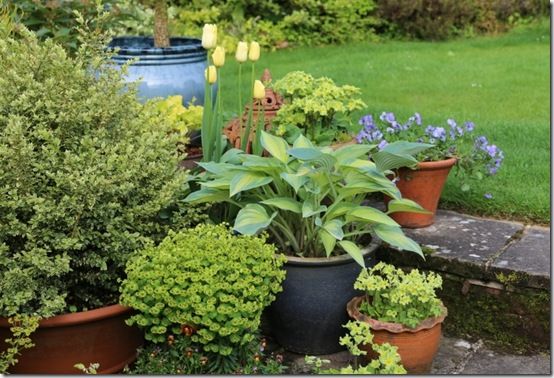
pixel 175 70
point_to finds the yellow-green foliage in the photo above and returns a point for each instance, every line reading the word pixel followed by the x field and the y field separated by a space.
pixel 396 296
pixel 206 278
pixel 177 117
pixel 316 107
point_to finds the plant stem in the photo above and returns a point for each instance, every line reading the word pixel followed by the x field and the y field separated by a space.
pixel 207 120
pixel 240 98
pixel 218 119
pixel 246 135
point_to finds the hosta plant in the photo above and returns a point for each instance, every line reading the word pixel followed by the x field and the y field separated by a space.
pixel 310 199
pixel 204 282
pixel 395 296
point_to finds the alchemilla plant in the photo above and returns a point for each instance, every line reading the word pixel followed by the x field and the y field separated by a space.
pixel 395 296
pixel 476 156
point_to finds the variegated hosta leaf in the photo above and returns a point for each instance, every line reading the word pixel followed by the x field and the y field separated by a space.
pixel 284 203
pixel 334 227
pixel 395 237
pixel 277 147
pixel 328 241
pixel 207 195
pixel 308 209
pixel 294 180
pixel 247 180
pixel 251 219
pixel 231 156
pixel 302 142
pixel 406 204
pixel 354 251
pixel 353 152
pixel 370 215
pixel 398 154
pixel 305 153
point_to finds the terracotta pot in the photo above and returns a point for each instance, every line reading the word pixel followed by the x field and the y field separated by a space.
pixel 62 341
pixel 417 346
pixel 424 186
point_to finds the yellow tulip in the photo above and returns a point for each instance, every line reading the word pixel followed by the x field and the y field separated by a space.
pixel 210 74
pixel 242 52
pixel 219 56
pixel 209 36
pixel 259 90
pixel 254 51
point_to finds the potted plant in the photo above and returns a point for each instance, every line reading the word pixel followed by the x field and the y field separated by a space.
pixel 310 201
pixel 455 145
pixel 403 310
pixel 316 108
pixel 165 66
pixel 203 290
pixel 87 171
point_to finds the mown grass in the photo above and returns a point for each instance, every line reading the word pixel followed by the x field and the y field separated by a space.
pixel 501 83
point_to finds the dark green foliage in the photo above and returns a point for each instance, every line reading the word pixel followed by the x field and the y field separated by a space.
pixel 179 355
pixel 85 172
pixel 442 19
pixel 207 279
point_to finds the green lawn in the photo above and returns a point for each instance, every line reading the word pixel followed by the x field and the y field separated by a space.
pixel 500 83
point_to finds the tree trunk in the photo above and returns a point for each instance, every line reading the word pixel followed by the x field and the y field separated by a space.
pixel 161 32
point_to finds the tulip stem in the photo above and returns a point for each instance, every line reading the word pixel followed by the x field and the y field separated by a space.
pixel 240 97
pixel 246 135
pixel 257 149
pixel 218 119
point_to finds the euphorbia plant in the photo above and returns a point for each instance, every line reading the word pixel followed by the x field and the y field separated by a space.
pixel 310 198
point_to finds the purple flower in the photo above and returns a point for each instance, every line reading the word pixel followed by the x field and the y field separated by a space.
pixel 492 170
pixel 469 126
pixel 451 123
pixel 452 134
pixel 387 117
pixel 390 130
pixel 366 120
pixel 460 131
pixel 488 196
pixel 439 133
pixel 417 117
pixel 481 142
pixel 492 150
pixel 382 144
pixel 429 130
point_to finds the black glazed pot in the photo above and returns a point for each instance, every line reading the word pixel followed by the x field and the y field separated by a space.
pixel 308 315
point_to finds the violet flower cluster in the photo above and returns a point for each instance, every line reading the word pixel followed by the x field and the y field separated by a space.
pixel 475 154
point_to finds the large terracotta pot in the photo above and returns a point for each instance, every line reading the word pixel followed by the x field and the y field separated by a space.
pixel 417 347
pixel 423 185
pixel 62 341
pixel 307 316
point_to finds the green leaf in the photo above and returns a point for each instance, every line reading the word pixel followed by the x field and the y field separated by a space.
pixel 231 155
pixel 294 180
pixel 465 187
pixel 395 237
pixel 302 141
pixel 251 219
pixel 305 154
pixel 284 203
pixel 406 148
pixel 328 241
pixel 207 195
pixel 353 250
pixel 277 147
pixel 308 209
pixel 220 183
pixel 406 204
pixel 338 209
pixel 218 168
pixel 334 227
pixel 386 160
pixel 247 180
pixel 353 152
pixel 369 214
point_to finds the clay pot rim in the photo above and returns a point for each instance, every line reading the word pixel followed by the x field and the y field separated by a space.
pixel 439 164
pixel 333 260
pixel 353 310
pixel 71 319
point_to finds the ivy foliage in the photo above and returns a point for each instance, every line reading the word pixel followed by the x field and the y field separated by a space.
pixel 315 107
pixel 206 279
pixel 399 297
pixel 85 172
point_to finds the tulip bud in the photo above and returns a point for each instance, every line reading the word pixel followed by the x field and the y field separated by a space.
pixel 242 52
pixel 219 56
pixel 259 90
pixel 254 51
pixel 209 36
pixel 210 74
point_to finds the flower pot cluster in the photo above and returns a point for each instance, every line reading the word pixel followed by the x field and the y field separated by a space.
pixel 113 258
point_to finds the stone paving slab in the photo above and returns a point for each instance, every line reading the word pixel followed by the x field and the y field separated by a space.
pixel 489 362
pixel 530 255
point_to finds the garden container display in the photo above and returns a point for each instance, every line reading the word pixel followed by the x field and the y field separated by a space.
pixel 175 70
pixel 95 336
pixel 308 315
pixel 417 346
pixel 423 185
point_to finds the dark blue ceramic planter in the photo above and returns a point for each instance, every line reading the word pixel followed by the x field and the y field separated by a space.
pixel 175 70
pixel 308 315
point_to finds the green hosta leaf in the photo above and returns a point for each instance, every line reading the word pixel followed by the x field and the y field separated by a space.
pixel 328 241
pixel 302 142
pixel 218 168
pixel 221 183
pixel 293 180
pixel 247 180
pixel 231 156
pixel 395 237
pixel 386 160
pixel 339 209
pixel 334 227
pixel 207 195
pixel 308 209
pixel 254 161
pixel 353 152
pixel 406 204
pixel 251 219
pixel 305 154
pixel 369 214
pixel 406 148
pixel 277 147
pixel 284 203
pixel 354 251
